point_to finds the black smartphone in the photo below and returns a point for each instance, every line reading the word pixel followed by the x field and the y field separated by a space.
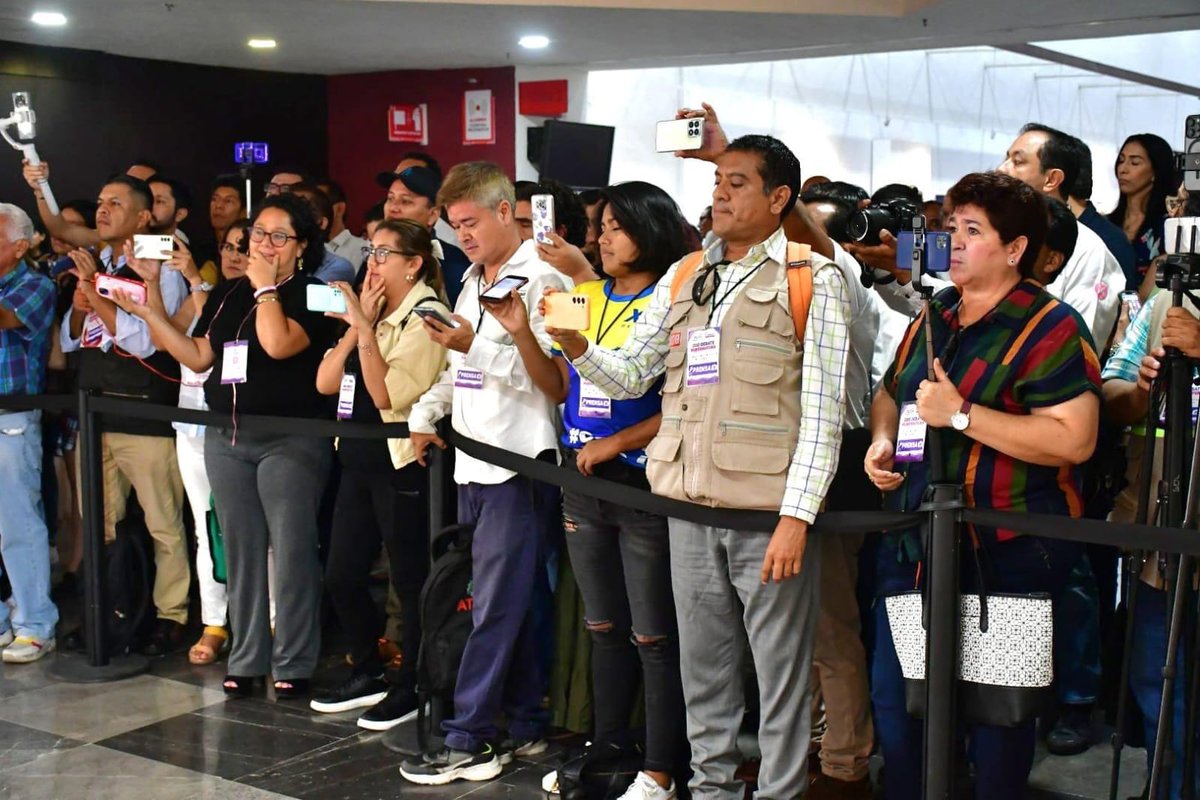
pixel 433 313
pixel 501 289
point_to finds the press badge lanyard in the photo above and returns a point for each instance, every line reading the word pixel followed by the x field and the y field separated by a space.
pixel 600 326
pixel 236 355
pixel 713 302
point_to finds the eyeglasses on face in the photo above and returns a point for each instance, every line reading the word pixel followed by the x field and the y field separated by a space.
pixel 278 188
pixel 278 238
pixel 231 249
pixel 381 254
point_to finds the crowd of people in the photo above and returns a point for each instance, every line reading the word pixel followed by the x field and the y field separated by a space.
pixel 764 360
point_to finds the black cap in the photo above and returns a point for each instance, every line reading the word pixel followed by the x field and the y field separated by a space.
pixel 421 180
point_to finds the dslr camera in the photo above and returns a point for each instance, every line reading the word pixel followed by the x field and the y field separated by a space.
pixel 897 217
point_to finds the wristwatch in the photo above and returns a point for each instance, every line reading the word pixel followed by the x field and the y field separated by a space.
pixel 202 286
pixel 960 419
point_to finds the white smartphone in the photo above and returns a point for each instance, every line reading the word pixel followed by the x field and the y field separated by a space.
pixel 543 217
pixel 153 246
pixel 501 289
pixel 326 298
pixel 679 134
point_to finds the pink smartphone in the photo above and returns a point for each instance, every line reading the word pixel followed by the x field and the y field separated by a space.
pixel 106 284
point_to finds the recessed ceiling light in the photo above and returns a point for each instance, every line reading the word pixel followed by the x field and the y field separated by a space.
pixel 262 44
pixel 48 19
pixel 534 42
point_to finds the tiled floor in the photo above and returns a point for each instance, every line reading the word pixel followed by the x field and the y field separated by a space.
pixel 171 734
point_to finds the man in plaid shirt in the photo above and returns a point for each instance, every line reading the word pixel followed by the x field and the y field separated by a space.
pixel 26 318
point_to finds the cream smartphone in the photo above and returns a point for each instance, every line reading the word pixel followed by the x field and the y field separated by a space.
pixel 542 206
pixel 153 246
pixel 107 284
pixel 568 312
pixel 326 299
pixel 679 134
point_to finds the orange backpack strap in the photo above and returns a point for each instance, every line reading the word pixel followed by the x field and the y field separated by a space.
pixel 799 279
pixel 800 286
pixel 687 268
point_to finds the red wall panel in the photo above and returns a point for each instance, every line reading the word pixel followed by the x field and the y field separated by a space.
pixel 358 130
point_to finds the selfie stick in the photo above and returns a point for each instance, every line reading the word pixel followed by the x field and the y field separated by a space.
pixel 23 118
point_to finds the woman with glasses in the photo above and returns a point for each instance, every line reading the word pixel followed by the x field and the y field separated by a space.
pixel 381 366
pixel 263 347
pixel 1014 404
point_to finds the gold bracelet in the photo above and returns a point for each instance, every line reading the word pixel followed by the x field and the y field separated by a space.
pixel 366 348
pixel 266 298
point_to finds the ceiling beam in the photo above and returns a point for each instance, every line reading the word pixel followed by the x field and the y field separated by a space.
pixel 860 8
pixel 1056 57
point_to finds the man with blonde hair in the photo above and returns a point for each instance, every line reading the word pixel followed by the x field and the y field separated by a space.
pixel 492 399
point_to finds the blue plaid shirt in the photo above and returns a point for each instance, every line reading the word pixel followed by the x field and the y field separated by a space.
pixel 24 351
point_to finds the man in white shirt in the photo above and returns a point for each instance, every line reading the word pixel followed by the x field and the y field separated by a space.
pixel 341 241
pixel 492 399
pixel 1092 281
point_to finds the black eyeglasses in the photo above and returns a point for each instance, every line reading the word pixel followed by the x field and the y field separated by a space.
pixel 278 238
pixel 381 254
pixel 278 188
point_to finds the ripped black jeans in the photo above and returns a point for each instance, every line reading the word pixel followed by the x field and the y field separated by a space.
pixel 622 564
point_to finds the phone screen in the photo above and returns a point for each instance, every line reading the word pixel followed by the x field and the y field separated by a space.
pixel 503 288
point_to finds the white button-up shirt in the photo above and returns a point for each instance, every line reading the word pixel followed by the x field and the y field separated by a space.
pixel 349 247
pixel 1091 283
pixel 507 410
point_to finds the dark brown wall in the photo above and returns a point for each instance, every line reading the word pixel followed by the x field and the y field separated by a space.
pixel 97 113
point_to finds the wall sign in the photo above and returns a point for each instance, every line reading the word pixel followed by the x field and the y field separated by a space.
pixel 408 123
pixel 479 117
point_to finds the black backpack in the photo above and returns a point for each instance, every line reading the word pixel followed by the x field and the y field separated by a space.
pixel 446 621
pixel 129 584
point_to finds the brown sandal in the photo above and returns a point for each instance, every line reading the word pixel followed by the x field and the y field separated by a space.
pixel 212 642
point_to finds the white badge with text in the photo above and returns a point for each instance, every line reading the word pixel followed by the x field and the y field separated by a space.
pixel 910 441
pixel 703 356
pixel 93 330
pixel 345 406
pixel 593 403
pixel 468 378
pixel 233 365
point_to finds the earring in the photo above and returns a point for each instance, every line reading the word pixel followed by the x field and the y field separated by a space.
pixel 411 277
pixel 1012 261
pixel 300 262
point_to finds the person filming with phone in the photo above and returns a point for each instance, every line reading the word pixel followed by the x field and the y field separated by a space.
pixel 380 367
pixel 620 556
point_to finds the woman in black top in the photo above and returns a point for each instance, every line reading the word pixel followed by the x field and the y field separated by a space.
pixel 382 365
pixel 264 346
pixel 1146 176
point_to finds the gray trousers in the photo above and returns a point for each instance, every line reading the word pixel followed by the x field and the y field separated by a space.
pixel 266 490
pixel 721 602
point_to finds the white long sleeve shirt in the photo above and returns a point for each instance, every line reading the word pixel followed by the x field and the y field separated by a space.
pixel 1091 282
pixel 487 390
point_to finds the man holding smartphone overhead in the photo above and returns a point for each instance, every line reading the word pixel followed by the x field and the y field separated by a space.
pixel 118 357
pixel 491 398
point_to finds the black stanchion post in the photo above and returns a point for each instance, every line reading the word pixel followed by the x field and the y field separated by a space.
pixel 941 654
pixel 101 666
pixel 436 461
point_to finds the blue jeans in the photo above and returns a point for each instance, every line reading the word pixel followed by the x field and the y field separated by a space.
pixel 501 667
pixel 24 542
pixel 1145 678
pixel 1003 756
pixel 1077 637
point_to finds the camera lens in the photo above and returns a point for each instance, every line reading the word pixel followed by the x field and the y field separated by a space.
pixel 864 226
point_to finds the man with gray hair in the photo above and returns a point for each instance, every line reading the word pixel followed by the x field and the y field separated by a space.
pixel 26 319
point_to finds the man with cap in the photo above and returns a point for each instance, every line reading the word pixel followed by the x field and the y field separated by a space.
pixel 412 195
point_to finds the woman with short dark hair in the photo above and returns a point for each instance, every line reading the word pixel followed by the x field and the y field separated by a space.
pixel 263 346
pixel 620 556
pixel 1015 405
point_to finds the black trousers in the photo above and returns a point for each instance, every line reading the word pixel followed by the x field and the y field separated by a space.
pixel 375 508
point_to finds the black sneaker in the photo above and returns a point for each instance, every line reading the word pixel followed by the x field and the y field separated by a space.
pixel 1073 733
pixel 399 705
pixel 510 749
pixel 360 691
pixel 446 765
pixel 166 639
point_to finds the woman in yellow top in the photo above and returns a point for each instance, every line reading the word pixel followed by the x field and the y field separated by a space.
pixel 381 366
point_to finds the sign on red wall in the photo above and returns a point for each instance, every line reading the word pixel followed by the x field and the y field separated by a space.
pixel 479 117
pixel 408 123
pixel 543 98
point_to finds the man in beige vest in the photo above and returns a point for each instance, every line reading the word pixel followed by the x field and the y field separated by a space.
pixel 747 424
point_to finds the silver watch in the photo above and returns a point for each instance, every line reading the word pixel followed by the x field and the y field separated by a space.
pixel 202 286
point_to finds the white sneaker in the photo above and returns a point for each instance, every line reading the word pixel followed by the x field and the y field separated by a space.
pixel 550 782
pixel 26 649
pixel 6 638
pixel 646 788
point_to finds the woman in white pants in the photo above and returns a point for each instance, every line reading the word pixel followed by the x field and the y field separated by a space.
pixel 189 444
